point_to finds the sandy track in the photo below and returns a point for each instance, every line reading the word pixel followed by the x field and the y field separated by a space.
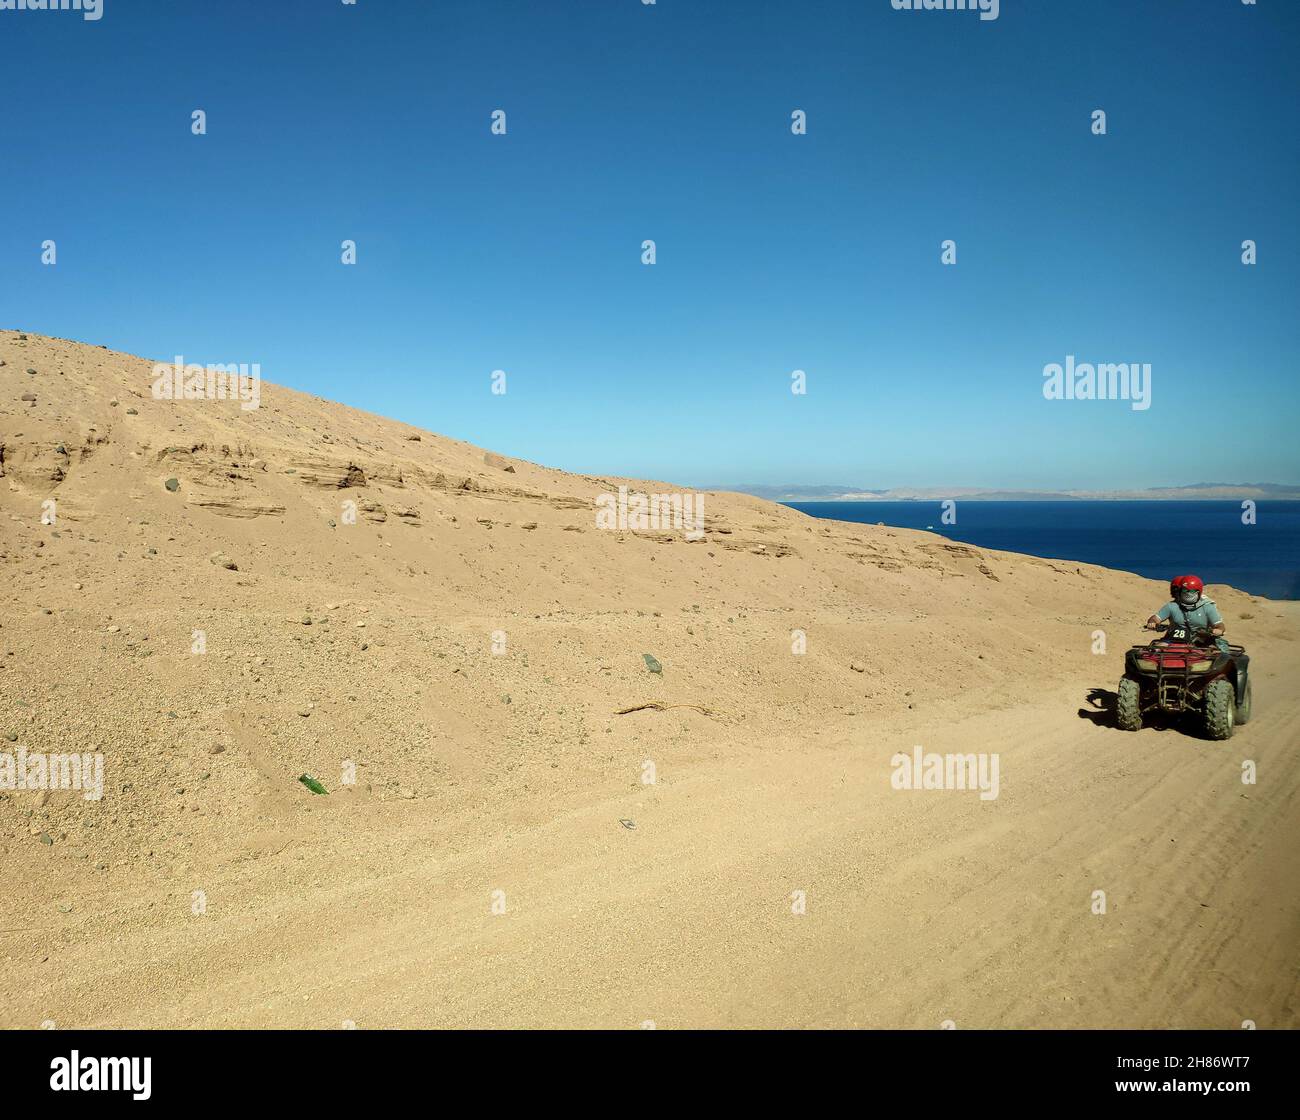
pixel 371 643
pixel 921 906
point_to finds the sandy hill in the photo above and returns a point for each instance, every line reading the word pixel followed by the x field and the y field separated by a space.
pixel 465 647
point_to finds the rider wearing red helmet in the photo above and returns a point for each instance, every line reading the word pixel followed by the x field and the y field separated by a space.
pixel 1189 608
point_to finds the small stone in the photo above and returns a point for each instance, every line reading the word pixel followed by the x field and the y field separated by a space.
pixel 652 663
pixel 172 484
pixel 857 666
pixel 133 412
pixel 46 839
pixel 30 398
pixel 114 630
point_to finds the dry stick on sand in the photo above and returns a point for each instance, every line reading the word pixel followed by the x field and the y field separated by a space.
pixel 660 706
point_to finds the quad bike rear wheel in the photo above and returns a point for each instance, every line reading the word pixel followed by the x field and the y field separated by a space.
pixel 1220 709
pixel 1243 709
pixel 1128 706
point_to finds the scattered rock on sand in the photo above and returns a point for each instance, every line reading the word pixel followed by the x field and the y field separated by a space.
pixel 434 602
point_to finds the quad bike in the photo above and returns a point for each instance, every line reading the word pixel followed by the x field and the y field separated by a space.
pixel 1186 672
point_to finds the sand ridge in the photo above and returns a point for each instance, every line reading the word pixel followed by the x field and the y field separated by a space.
pixel 463 648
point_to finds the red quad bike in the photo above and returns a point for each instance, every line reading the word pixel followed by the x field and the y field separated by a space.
pixel 1186 672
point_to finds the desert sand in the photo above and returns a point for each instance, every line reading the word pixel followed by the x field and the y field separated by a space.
pixel 500 860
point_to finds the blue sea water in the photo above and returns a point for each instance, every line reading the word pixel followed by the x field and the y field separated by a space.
pixel 1154 539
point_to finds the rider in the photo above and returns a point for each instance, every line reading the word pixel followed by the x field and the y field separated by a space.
pixel 1189 609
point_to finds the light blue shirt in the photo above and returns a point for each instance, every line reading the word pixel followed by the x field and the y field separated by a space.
pixel 1205 615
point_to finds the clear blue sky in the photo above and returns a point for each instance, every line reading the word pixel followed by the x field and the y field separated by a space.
pixel 522 252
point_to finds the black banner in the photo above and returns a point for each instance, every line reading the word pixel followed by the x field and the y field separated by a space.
pixel 365 1067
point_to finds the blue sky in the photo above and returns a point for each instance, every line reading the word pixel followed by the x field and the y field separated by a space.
pixel 775 252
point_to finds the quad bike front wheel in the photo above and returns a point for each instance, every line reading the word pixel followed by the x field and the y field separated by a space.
pixel 1128 706
pixel 1220 709
pixel 1243 709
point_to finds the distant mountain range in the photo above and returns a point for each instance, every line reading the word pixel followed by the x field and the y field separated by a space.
pixel 1195 491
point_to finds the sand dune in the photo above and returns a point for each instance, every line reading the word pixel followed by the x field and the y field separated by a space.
pixel 463 650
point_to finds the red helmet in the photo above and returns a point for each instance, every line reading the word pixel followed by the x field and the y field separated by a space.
pixel 1186 591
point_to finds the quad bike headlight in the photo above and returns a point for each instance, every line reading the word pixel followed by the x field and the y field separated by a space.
pixel 1142 663
pixel 1201 666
